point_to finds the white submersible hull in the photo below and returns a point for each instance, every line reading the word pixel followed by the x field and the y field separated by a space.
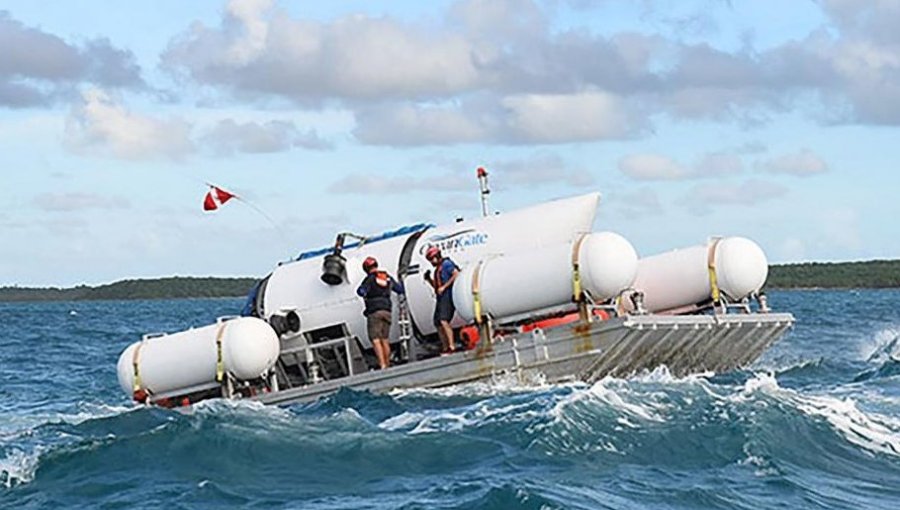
pixel 538 294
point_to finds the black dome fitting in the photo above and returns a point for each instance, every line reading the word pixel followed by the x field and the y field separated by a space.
pixel 293 321
pixel 333 269
pixel 286 323
pixel 278 324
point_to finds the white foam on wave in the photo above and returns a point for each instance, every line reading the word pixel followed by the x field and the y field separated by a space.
pixel 246 417
pixel 662 375
pixel 884 345
pixel 639 396
pixel 218 406
pixel 615 396
pixel 456 419
pixel 867 430
pixel 18 467
pixel 761 381
pixel 499 384
pixel 872 431
pixel 761 466
pixel 18 425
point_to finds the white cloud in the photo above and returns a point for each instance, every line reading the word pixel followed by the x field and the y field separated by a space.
pixel 468 77
pixel 701 199
pixel 541 169
pixel 229 136
pixel 78 201
pixel 559 118
pixel 368 184
pixel 37 68
pixel 802 164
pixel 399 124
pixel 260 49
pixel 517 119
pixel 455 176
pixel 652 167
pixel 101 124
pixel 501 19
pixel 252 38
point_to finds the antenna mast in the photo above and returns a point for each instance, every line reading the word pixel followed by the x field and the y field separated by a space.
pixel 485 191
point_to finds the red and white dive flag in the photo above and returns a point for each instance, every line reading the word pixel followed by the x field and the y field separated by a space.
pixel 216 197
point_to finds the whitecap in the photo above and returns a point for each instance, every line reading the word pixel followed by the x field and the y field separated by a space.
pixel 17 426
pixel 506 383
pixel 884 345
pixel 662 375
pixel 18 467
pixel 868 430
pixel 448 420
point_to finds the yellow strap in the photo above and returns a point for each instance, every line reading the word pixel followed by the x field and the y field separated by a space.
pixel 135 363
pixel 577 293
pixel 476 292
pixel 711 266
pixel 220 364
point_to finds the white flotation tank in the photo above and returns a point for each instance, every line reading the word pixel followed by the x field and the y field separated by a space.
pixel 510 285
pixel 681 278
pixel 187 360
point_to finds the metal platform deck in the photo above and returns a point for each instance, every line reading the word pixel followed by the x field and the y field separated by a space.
pixel 619 347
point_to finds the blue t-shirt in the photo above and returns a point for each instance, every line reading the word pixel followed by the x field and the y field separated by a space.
pixel 444 272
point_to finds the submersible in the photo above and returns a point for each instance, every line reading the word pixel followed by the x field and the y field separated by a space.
pixel 539 294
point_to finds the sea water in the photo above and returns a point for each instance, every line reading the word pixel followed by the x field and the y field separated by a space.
pixel 815 423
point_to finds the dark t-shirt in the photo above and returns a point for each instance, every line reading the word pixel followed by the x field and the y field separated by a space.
pixel 376 289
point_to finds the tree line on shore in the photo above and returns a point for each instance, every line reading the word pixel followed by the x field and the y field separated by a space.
pixel 155 288
pixel 823 275
pixel 871 274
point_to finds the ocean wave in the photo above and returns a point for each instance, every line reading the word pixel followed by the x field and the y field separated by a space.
pixel 17 424
pixel 884 345
pixel 872 431
pixel 27 438
pixel 498 384
pixel 655 419
pixel 18 467
pixel 789 366
pixel 888 368
pixel 483 413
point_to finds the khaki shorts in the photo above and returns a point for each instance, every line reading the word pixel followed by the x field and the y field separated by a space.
pixel 378 325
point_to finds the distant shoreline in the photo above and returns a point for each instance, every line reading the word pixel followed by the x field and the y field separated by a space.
pixel 873 274
pixel 150 288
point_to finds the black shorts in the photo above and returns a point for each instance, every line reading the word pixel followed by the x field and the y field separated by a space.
pixel 444 308
pixel 378 325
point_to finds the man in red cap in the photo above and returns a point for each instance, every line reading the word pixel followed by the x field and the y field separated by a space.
pixel 375 290
pixel 445 273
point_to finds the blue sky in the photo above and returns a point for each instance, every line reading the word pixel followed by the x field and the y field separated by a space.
pixel 772 120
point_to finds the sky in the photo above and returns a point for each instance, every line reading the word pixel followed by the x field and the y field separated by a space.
pixel 773 120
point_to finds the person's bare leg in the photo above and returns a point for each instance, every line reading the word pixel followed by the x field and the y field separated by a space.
pixel 384 358
pixel 448 335
pixel 445 341
pixel 376 344
pixel 440 333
